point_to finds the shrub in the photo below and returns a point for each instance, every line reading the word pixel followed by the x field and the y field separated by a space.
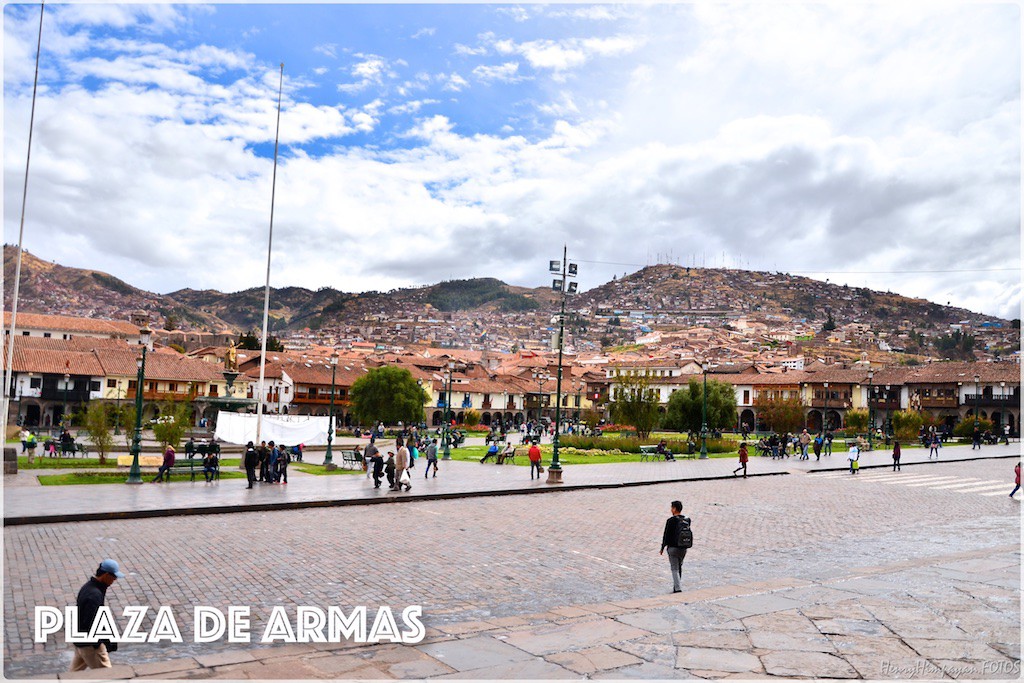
pixel 906 424
pixel 965 428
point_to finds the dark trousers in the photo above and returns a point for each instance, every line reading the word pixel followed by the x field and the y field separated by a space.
pixel 283 473
pixel 160 473
pixel 534 466
pixel 895 464
pixel 675 560
pixel 263 470
pixel 391 479
pixel 209 473
pixel 743 466
pixel 377 476
pixel 429 463
pixel 250 474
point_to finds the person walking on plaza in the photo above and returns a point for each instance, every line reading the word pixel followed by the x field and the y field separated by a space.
pixel 828 443
pixel 535 460
pixel 275 454
pixel 805 441
pixel 1016 472
pixel 376 465
pixel 670 540
pixel 23 435
pixel 895 456
pixel 401 465
pixel 976 439
pixel 743 460
pixel 389 469
pixel 284 456
pixel 854 457
pixel 251 460
pixel 817 444
pixel 431 455
pixel 264 458
pixel 166 466
pixel 91 596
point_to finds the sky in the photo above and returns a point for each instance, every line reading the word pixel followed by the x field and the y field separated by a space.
pixel 873 145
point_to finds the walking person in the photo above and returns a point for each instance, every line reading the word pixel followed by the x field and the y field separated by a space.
pixel 23 435
pixel 1006 435
pixel 275 454
pixel 264 458
pixel 854 457
pixel 368 454
pixel 431 455
pixel 376 465
pixel 401 465
pixel 284 456
pixel 933 446
pixel 670 540
pixel 895 456
pixel 828 443
pixel 743 460
pixel 976 439
pixel 389 469
pixel 251 460
pixel 817 444
pixel 1016 472
pixel 166 466
pixel 805 441
pixel 91 596
pixel 534 455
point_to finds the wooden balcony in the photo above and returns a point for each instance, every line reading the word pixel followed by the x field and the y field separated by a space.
pixel 318 399
pixel 939 402
pixel 837 403
pixel 891 404
pixel 1003 401
pixel 163 395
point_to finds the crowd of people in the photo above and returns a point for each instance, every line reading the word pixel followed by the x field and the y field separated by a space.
pixel 270 460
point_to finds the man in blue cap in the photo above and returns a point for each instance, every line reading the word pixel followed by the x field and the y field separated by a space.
pixel 93 655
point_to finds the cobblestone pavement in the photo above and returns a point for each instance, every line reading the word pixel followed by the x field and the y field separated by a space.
pixel 487 559
pixel 455 477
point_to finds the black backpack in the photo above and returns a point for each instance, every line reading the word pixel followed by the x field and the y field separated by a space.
pixel 685 539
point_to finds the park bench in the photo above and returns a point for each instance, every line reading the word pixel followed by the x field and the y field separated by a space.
pixel 509 459
pixel 193 466
pixel 192 449
pixel 649 452
pixel 351 460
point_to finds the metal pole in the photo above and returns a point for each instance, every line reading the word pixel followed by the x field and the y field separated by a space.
pixel 21 239
pixel 446 445
pixel 977 396
pixel 704 417
pixel 64 410
pixel 555 465
pixel 270 244
pixel 117 418
pixel 328 459
pixel 135 474
pixel 871 414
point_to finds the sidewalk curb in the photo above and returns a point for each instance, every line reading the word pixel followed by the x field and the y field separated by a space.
pixel 920 462
pixel 344 502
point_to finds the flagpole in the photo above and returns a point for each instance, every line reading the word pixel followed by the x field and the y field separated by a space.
pixel 21 240
pixel 270 244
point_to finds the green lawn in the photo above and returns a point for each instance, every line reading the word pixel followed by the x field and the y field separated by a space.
pixel 566 456
pixel 90 463
pixel 311 468
pixel 74 478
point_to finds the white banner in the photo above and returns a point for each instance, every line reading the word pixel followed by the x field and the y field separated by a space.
pixel 290 430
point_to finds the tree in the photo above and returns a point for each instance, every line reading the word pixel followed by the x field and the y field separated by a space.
pixel 471 418
pixel 780 414
pixel 389 394
pixel 857 420
pixel 634 403
pixel 685 406
pixel 177 347
pixel 96 421
pixel 830 323
pixel 906 424
pixel 251 342
pixel 172 424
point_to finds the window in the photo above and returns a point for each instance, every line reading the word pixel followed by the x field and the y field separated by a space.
pixel 24 333
pixel 172 387
pixel 47 335
pixel 131 385
pixel 111 384
pixel 213 390
pixel 150 386
pixel 94 385
pixel 746 397
pixel 35 382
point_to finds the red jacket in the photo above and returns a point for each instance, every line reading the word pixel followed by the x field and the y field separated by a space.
pixel 743 454
pixel 168 457
pixel 534 453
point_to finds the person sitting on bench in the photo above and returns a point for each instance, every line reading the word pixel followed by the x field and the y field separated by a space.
pixel 663 450
pixel 492 452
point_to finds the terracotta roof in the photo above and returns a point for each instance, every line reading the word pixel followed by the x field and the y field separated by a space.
pixel 158 366
pixel 950 372
pixel 67 323
pixel 318 372
pixel 55 362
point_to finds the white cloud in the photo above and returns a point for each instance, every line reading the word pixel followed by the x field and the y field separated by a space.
pixel 425 31
pixel 504 73
pixel 371 71
pixel 516 13
pixel 455 83
pixel 320 70
pixel 327 50
pixel 465 50
pixel 411 107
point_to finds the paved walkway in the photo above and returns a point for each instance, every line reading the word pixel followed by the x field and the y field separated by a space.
pixel 30 505
pixel 941 617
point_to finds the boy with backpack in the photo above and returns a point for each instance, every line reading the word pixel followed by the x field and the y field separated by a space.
pixel 678 538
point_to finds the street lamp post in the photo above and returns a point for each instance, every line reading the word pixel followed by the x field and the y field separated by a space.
pixel 117 415
pixel 824 415
pixel 446 392
pixel 64 412
pixel 565 287
pixel 871 409
pixel 704 415
pixel 541 378
pixel 328 459
pixel 885 420
pixel 977 398
pixel 135 474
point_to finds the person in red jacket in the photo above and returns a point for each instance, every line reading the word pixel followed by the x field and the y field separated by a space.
pixel 743 460
pixel 1016 471
pixel 534 454
pixel 166 467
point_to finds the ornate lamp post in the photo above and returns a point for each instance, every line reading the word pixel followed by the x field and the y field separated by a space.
pixel 328 460
pixel 886 427
pixel 64 411
pixel 446 392
pixel 563 286
pixel 541 378
pixel 977 398
pixel 871 409
pixel 135 474
pixel 824 415
pixel 704 415
pixel 117 419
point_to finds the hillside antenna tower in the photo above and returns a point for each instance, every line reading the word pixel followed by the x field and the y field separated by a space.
pixel 270 244
pixel 8 374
